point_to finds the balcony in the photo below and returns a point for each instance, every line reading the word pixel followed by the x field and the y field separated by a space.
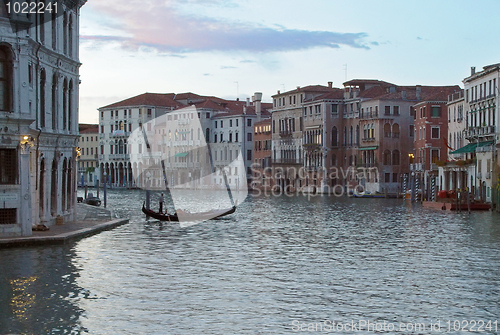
pixel 471 132
pixel 310 147
pixel 417 167
pixel 288 161
pixel 119 133
pixel 119 157
pixel 286 133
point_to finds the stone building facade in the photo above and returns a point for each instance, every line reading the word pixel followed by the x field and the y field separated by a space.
pixel 38 118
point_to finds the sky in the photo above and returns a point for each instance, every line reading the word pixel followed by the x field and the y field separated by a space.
pixel 233 48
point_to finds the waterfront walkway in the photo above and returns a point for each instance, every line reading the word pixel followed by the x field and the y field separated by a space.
pixel 90 220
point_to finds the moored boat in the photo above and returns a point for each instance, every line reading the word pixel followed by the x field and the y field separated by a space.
pixel 186 216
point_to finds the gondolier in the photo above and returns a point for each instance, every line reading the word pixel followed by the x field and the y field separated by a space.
pixel 161 203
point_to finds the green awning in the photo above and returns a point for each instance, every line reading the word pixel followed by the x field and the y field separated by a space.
pixel 471 147
pixel 181 154
pixel 483 144
pixel 368 148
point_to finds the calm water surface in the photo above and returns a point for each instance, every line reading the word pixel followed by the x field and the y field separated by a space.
pixel 275 261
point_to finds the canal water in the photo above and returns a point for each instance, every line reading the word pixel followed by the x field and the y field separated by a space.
pixel 276 266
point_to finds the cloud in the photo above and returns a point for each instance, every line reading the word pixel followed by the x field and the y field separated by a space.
pixel 227 67
pixel 247 61
pixel 156 24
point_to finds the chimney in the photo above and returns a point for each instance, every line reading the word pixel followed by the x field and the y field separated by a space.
pixel 244 109
pixel 237 99
pixel 279 92
pixel 258 107
pixel 248 101
pixel 472 70
pixel 330 84
pixel 418 91
pixel 298 88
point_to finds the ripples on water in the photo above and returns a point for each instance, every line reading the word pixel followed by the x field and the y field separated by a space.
pixel 274 261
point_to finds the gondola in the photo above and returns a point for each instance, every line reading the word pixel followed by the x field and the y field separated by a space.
pixel 185 216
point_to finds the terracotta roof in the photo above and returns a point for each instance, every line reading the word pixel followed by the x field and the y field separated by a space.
pixel 359 82
pixel 187 96
pixel 263 122
pixel 310 88
pixel 338 93
pixel 209 104
pixel 84 128
pixel 147 99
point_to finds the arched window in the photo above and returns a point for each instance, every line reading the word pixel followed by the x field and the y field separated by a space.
pixel 70 35
pixel 395 130
pixel 351 136
pixel 395 157
pixel 335 137
pixel 5 79
pixel 70 103
pixel 120 125
pixel 120 147
pixel 365 131
pixel 54 103
pixel 54 30
pixel 345 136
pixel 387 130
pixel 65 103
pixel 65 33
pixel 357 134
pixel 43 81
pixel 387 157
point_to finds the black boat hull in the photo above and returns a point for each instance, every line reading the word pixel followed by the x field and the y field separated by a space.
pixel 188 216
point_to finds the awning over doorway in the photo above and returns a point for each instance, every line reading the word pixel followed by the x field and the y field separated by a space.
pixel 368 148
pixel 471 147
pixel 181 154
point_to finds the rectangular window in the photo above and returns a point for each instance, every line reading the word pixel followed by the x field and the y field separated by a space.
pixel 102 149
pixel 8 216
pixel 230 123
pixel 436 111
pixel 387 177
pixel 236 137
pixel 387 110
pixel 395 110
pixel 435 132
pixel 434 156
pixel 249 137
pixel 249 155
pixel 215 124
pixel 249 122
pixel 149 112
pixel 335 109
pixel 221 123
pixel 8 168
pixel 394 177
pixel 412 130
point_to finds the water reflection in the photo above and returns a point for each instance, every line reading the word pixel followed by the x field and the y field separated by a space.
pixel 274 261
pixel 38 292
